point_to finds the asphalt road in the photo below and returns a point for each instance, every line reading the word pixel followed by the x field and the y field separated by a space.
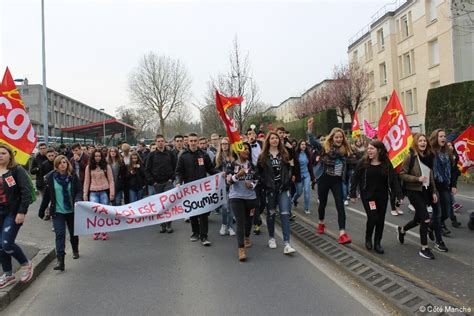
pixel 143 272
pixel 450 275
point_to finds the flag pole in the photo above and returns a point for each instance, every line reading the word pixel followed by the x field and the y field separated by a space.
pixel 44 100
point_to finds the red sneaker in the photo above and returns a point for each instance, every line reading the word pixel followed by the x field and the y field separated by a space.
pixel 344 239
pixel 321 228
pixel 96 236
pixel 105 236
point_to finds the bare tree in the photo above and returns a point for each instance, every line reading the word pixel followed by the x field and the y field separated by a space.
pixel 181 119
pixel 159 83
pixel 210 119
pixel 145 120
pixel 463 15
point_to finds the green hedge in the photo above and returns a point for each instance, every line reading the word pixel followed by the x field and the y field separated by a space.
pixel 323 123
pixel 450 107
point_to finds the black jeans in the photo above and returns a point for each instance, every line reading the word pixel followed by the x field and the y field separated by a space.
pixel 261 203
pixel 199 225
pixel 243 211
pixel 160 188
pixel 375 218
pixel 419 200
pixel 59 222
pixel 326 183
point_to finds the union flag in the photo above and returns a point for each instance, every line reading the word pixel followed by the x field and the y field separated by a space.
pixel 464 146
pixel 356 127
pixel 223 104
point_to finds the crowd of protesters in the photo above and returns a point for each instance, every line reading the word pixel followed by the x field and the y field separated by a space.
pixel 270 174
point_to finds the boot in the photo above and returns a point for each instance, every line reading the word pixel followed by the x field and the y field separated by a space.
pixel 247 243
pixel 368 244
pixel 378 248
pixel 242 255
pixel 59 264
pixel 455 222
pixel 75 254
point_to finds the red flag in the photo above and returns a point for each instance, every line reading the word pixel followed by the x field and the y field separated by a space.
pixel 464 146
pixel 356 127
pixel 222 104
pixel 394 131
pixel 16 129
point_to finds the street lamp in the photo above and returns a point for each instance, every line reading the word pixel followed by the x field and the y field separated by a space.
pixel 103 125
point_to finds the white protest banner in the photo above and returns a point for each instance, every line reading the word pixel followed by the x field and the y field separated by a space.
pixel 190 199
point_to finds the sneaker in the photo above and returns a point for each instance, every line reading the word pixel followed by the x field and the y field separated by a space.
pixel 75 255
pixel 186 220
pixel 105 236
pixel 321 228
pixel 445 231
pixel 457 207
pixel 223 230
pixel 292 217
pixel 426 253
pixel 431 234
pixel 26 272
pixel 231 231
pixel 399 211
pixel 46 217
pixel 400 235
pixel 346 202
pixel 307 212
pixel 288 250
pixel 394 212
pixel 194 237
pixel 440 246
pixel 163 229
pixel 169 230
pixel 96 236
pixel 344 239
pixel 272 243
pixel 411 208
pixel 6 280
pixel 455 223
pixel 256 229
pixel 429 209
pixel 205 242
pixel 317 201
pixel 247 243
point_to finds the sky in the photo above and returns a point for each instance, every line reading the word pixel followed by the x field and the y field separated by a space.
pixel 92 46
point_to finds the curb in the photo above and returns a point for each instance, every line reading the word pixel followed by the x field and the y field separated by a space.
pixel 401 294
pixel 40 262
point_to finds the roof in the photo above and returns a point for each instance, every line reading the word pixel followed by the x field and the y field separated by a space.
pixel 96 129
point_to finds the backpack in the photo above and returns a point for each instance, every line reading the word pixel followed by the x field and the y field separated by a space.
pixel 410 166
pixel 32 187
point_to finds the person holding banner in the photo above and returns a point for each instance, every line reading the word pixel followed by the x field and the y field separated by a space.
pixel 445 176
pixel 242 178
pixel 376 179
pixel 336 151
pixel 224 159
pixel 63 188
pixel 421 192
pixel 99 186
pixel 15 197
pixel 275 173
pixel 194 164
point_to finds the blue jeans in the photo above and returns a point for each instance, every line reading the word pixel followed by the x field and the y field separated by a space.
pixel 151 190
pixel 8 248
pixel 118 198
pixel 136 195
pixel 227 215
pixel 303 187
pixel 59 223
pixel 283 201
pixel 99 197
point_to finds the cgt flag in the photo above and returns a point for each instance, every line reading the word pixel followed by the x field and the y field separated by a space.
pixel 222 105
pixel 394 131
pixel 15 125
pixel 356 127
pixel 464 146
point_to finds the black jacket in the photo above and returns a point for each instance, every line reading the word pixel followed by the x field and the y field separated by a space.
pixel 19 191
pixel 160 166
pixel 193 166
pixel 267 178
pixel 45 168
pixel 50 192
pixel 135 181
pixel 35 167
pixel 297 168
pixel 359 179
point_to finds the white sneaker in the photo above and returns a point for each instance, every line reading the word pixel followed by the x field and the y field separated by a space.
pixel 223 230
pixel 272 243
pixel 6 280
pixel 288 249
pixel 231 231
pixel 346 202
pixel 429 209
pixel 399 211
pixel 411 208
pixel 307 212
pixel 27 272
pixel 394 212
pixel 318 201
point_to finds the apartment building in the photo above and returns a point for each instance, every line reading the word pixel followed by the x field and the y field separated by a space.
pixel 63 111
pixel 412 47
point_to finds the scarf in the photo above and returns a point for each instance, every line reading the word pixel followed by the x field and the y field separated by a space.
pixel 442 168
pixel 64 181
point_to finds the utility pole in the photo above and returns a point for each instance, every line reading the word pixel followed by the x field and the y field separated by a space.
pixel 45 91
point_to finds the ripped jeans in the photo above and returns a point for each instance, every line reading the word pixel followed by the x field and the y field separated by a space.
pixel 281 200
pixel 8 248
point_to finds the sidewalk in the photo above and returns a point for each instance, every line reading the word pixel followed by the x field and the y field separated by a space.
pixel 37 241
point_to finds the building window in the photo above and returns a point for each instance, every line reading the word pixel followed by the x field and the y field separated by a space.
pixel 430 6
pixel 368 51
pixel 380 39
pixel 410 101
pixel 434 52
pixel 407 64
pixel 355 56
pixel 371 81
pixel 405 28
pixel 383 73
